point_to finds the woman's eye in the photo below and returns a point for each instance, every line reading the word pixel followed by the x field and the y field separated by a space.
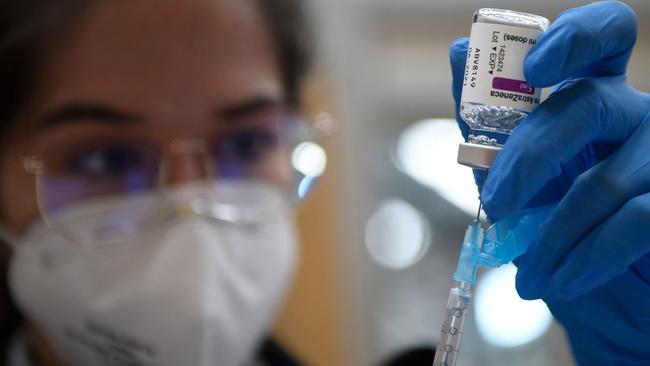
pixel 105 162
pixel 246 147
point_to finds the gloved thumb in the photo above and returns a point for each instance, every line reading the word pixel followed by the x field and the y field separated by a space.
pixel 458 59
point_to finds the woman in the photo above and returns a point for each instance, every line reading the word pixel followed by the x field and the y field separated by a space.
pixel 145 178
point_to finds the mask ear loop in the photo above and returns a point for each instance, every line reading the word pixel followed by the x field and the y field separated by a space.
pixel 36 166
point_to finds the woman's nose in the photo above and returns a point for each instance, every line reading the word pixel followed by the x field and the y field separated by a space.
pixel 186 161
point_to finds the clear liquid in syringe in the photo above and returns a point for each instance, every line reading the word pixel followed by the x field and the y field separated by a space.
pixel 451 334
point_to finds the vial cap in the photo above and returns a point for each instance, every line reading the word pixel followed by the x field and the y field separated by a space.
pixel 477 156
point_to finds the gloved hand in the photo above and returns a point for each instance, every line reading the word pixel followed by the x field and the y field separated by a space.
pixel 587 148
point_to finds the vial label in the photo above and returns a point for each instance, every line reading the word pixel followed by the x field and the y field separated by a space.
pixel 495 67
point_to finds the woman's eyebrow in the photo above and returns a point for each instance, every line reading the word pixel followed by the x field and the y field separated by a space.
pixel 249 107
pixel 84 112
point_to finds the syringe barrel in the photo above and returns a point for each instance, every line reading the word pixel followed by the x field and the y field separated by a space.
pixel 451 333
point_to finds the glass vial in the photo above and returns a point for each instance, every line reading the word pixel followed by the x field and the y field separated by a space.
pixel 496 96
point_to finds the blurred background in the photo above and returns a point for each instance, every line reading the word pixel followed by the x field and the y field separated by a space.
pixel 382 231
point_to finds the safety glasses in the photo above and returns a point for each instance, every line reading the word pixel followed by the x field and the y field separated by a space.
pixel 279 152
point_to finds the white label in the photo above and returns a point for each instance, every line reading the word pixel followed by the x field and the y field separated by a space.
pixel 495 67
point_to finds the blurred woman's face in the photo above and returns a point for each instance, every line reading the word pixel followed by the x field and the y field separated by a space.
pixel 143 73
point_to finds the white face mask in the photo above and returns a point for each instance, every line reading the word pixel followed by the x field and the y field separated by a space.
pixel 194 292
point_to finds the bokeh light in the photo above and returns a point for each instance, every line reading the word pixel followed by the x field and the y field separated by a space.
pixel 309 159
pixel 428 151
pixel 503 319
pixel 397 235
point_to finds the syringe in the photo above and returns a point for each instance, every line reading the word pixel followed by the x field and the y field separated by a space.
pixel 478 156
pixel 502 242
pixel 458 305
pixel 460 296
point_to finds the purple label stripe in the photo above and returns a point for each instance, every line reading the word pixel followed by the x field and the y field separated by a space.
pixel 517 86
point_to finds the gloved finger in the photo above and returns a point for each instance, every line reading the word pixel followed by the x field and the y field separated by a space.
pixel 458 59
pixel 586 110
pixel 588 219
pixel 606 253
pixel 592 40
pixel 611 324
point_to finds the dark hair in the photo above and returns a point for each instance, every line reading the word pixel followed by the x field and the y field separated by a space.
pixel 286 21
pixel 30 28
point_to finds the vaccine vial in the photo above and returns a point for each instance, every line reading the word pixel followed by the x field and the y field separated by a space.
pixel 496 95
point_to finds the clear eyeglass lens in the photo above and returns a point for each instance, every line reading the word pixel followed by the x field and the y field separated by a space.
pixel 105 169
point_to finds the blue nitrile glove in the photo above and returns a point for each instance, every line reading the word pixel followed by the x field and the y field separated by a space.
pixel 587 148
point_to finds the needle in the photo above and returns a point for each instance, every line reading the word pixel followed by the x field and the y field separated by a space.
pixel 480 206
